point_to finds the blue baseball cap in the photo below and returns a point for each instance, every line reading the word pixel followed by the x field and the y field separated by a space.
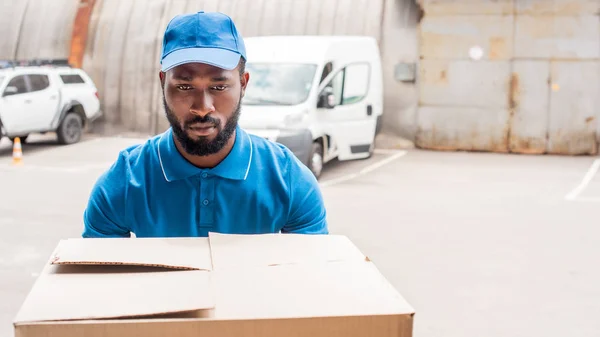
pixel 209 38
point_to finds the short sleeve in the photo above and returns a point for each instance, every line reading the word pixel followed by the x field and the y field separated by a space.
pixel 105 214
pixel 307 213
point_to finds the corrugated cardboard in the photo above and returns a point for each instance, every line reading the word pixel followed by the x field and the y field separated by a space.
pixel 255 285
pixel 180 253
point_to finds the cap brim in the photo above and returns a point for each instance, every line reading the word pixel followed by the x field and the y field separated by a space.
pixel 217 57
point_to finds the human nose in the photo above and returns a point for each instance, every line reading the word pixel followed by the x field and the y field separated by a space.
pixel 202 105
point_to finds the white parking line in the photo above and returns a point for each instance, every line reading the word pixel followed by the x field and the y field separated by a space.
pixel 586 180
pixel 395 155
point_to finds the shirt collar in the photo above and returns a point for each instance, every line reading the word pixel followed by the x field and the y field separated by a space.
pixel 235 166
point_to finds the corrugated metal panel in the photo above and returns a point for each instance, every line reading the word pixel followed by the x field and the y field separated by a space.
pixel 454 7
pixel 11 21
pixel 470 129
pixel 574 102
pixel 566 37
pixel 453 36
pixel 46 29
pixel 172 8
pixel 108 55
pixel 562 7
pixel 530 97
pixel 140 64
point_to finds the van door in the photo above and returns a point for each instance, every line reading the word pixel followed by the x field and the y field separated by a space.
pixel 347 114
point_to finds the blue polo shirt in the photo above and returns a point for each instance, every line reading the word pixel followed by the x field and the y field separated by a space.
pixel 153 191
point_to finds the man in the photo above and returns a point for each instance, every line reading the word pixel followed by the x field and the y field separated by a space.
pixel 205 173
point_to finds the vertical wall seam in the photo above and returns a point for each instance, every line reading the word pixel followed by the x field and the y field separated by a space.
pixel 21 24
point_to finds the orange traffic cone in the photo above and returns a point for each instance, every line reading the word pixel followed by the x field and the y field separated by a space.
pixel 17 152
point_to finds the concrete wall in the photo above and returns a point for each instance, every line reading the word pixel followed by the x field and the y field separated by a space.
pixel 535 89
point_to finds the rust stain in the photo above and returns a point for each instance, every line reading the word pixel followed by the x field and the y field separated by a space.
pixel 497 47
pixel 514 92
pixel 80 32
pixel 527 145
pixel 589 120
pixel 443 77
pixel 573 143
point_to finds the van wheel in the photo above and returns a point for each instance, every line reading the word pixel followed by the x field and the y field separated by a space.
pixel 70 129
pixel 315 162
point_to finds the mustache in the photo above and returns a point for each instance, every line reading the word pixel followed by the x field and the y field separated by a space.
pixel 203 120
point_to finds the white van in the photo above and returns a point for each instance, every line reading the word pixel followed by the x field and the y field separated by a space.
pixel 321 96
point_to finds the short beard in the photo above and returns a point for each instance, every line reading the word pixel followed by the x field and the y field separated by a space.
pixel 202 146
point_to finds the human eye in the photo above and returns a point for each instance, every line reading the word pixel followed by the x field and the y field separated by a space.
pixel 184 87
pixel 219 87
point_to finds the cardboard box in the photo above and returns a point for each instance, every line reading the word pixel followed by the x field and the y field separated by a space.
pixel 270 285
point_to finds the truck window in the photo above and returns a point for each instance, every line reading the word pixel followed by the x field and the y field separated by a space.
pixel 38 82
pixel 72 79
pixel 19 82
pixel 356 83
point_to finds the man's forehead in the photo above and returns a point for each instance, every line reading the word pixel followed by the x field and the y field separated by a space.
pixel 198 69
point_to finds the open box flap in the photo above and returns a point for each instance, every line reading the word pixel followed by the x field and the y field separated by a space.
pixel 103 292
pixel 351 288
pixel 180 253
pixel 242 251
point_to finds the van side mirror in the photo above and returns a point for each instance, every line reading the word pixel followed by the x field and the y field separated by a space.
pixel 326 99
pixel 10 91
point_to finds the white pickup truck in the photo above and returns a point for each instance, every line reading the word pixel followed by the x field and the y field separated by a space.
pixel 46 96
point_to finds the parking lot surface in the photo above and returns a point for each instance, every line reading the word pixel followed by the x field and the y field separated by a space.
pixel 480 244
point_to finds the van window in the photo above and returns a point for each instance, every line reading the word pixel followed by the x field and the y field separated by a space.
pixel 351 84
pixel 356 83
pixel 279 83
pixel 327 69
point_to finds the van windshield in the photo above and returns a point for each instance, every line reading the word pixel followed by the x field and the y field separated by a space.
pixel 278 83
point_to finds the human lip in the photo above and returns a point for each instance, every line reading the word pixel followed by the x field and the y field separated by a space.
pixel 202 129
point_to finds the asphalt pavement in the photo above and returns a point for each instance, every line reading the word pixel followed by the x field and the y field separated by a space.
pixel 480 244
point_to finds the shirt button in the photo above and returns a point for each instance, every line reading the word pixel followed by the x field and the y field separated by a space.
pixel 205 202
pixel 204 175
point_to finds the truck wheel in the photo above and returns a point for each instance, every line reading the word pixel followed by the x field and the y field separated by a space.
pixel 70 129
pixel 315 161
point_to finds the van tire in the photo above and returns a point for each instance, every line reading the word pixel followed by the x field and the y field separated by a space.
pixel 70 130
pixel 315 160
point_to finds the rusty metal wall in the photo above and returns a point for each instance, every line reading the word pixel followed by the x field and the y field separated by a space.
pixel 36 29
pixel 535 89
